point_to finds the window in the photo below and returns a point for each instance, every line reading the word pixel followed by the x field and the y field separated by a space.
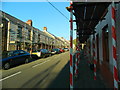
pixel 38 37
pixel 13 31
pixel 15 53
pixel 21 52
pixel 19 34
pixel 10 54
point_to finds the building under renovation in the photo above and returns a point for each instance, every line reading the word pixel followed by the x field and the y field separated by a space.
pixel 98 27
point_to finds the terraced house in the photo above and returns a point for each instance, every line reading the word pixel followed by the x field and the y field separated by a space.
pixel 19 35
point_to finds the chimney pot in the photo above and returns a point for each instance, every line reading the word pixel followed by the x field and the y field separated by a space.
pixel 29 22
pixel 44 28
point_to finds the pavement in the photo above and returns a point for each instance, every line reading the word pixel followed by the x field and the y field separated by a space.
pixel 85 77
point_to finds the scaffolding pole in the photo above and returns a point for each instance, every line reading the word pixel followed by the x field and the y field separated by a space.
pixel 115 70
pixel 94 57
pixel 71 46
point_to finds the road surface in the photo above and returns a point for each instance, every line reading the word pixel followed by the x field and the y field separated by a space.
pixel 50 72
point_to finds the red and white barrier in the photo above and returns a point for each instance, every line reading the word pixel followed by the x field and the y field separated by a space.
pixel 115 70
pixel 94 57
pixel 71 46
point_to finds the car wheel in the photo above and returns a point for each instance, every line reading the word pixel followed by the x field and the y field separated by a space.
pixel 6 66
pixel 26 60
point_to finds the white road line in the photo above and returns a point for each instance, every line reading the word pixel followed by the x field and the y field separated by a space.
pixel 10 76
pixel 40 64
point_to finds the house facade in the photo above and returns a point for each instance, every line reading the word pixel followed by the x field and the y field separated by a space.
pixel 19 35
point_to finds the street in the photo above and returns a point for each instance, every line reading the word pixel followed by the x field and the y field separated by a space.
pixel 50 72
pixel 60 45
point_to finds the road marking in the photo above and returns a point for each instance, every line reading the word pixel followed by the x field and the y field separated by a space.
pixel 10 76
pixel 40 64
pixel 44 62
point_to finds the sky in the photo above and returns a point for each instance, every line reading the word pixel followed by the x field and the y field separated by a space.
pixel 43 15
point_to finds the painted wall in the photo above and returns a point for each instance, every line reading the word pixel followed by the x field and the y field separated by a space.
pixel 118 36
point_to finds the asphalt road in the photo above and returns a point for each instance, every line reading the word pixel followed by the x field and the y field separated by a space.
pixel 50 72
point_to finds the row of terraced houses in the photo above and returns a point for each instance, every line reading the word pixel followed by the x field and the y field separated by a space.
pixel 19 35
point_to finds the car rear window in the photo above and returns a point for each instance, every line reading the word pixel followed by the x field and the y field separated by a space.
pixel 7 54
pixel 41 50
pixel 22 52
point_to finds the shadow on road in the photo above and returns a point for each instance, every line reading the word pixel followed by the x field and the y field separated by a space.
pixel 62 79
pixel 33 79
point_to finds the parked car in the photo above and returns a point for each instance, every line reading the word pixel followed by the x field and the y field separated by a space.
pixel 66 49
pixel 53 52
pixel 56 51
pixel 36 53
pixel 15 57
pixel 44 52
pixel 61 50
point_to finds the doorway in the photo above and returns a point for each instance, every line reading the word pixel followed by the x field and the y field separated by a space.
pixel 105 44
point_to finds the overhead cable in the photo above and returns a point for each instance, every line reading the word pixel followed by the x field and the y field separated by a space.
pixel 57 9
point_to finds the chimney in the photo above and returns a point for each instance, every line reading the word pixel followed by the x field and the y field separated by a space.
pixel 45 29
pixel 29 22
